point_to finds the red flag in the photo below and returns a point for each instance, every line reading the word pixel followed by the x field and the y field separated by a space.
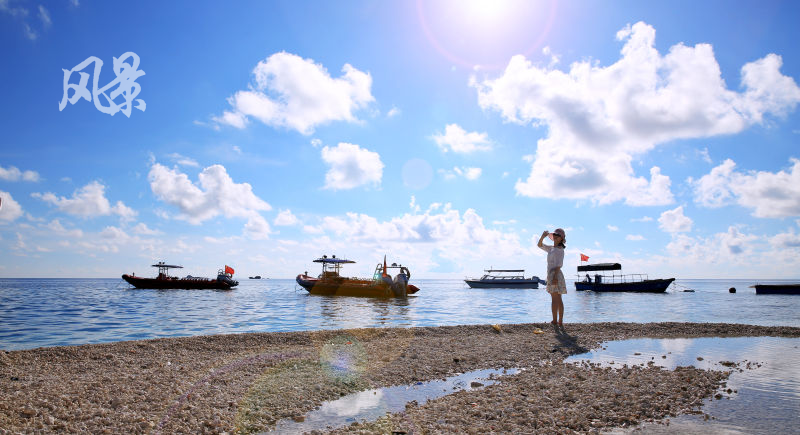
pixel 228 269
pixel 584 258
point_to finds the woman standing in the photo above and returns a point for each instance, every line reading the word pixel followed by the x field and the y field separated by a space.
pixel 556 285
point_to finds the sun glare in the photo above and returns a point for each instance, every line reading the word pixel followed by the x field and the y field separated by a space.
pixel 485 33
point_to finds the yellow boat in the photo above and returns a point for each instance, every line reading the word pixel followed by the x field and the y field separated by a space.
pixel 331 283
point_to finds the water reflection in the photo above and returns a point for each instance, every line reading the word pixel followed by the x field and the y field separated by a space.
pixel 372 404
pixel 767 394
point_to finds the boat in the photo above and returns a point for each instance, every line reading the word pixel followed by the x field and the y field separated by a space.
pixel 613 282
pixel 777 289
pixel 331 283
pixel 255 277
pixel 504 278
pixel 224 280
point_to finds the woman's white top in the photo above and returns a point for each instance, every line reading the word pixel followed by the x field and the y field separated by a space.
pixel 555 278
pixel 555 256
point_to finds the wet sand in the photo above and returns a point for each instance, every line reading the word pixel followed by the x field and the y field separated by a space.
pixel 245 383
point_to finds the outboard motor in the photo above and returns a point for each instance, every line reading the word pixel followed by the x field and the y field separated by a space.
pixel 400 284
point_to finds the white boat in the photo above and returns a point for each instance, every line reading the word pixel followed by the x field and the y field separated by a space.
pixel 504 278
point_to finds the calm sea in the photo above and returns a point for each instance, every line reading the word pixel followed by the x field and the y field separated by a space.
pixel 52 312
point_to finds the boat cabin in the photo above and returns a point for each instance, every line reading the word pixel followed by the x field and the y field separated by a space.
pixel 608 274
pixel 495 274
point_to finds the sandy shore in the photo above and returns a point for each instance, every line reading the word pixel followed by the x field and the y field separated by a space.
pixel 244 383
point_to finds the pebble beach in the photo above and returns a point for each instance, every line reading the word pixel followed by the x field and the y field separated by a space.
pixel 246 383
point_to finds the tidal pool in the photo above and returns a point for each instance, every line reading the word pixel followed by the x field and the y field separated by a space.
pixel 765 383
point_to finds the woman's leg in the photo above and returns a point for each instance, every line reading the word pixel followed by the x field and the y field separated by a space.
pixel 559 306
pixel 554 307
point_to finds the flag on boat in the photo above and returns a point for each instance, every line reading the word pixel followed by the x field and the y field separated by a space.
pixel 584 257
pixel 228 269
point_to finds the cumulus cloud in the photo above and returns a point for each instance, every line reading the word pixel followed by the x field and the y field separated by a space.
pixel 56 227
pixel 768 194
pixel 351 166
pixel 215 194
pixel 464 171
pixel 88 201
pixel 12 173
pixel 443 228
pixel 299 94
pixel 600 118
pixel 142 229
pixel 732 246
pixel 10 210
pixel 634 237
pixel 457 139
pixel 286 218
pixel 612 227
pixel 787 240
pixel 674 221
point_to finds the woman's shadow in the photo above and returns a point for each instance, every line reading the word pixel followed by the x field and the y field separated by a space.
pixel 567 344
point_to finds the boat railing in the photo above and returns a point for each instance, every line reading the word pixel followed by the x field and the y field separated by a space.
pixel 615 278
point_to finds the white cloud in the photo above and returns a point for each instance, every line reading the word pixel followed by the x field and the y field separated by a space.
pixel 634 237
pixel 730 247
pixel 142 229
pixel 298 94
pixel 788 240
pixel 768 194
pixel 612 228
pixel 466 172
pixel 88 201
pixel 215 194
pixel 642 219
pixel 10 210
pixel 457 139
pixel 394 111
pixel 56 227
pixel 351 166
pixel 286 218
pixel 14 174
pixel 600 118
pixel 183 160
pixel 44 15
pixel 674 221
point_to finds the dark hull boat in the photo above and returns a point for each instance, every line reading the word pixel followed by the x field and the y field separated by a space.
pixel 777 289
pixel 613 282
pixel 163 281
pixel 331 283
pixel 644 286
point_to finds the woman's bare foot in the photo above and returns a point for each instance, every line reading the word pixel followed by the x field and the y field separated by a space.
pixel 560 323
pixel 553 322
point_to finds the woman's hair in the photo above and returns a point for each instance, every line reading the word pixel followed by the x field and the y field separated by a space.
pixel 562 244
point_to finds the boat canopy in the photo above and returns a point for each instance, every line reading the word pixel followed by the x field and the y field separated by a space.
pixel 333 260
pixel 599 266
pixel 503 270
pixel 166 266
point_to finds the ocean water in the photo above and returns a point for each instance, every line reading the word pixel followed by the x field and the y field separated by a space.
pixel 53 312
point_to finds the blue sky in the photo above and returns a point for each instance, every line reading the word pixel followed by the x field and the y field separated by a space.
pixel 447 135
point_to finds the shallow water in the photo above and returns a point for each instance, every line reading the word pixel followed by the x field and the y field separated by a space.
pixel 767 395
pixel 50 312
pixel 372 404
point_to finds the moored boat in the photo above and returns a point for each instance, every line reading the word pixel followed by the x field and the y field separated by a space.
pixel 613 282
pixel 504 278
pixel 224 280
pixel 777 289
pixel 331 283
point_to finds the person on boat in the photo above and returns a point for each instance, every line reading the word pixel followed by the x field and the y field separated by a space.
pixel 556 285
pixel 588 278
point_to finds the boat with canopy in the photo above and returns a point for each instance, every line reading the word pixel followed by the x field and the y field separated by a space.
pixel 331 282
pixel 224 280
pixel 504 278
pixel 608 280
